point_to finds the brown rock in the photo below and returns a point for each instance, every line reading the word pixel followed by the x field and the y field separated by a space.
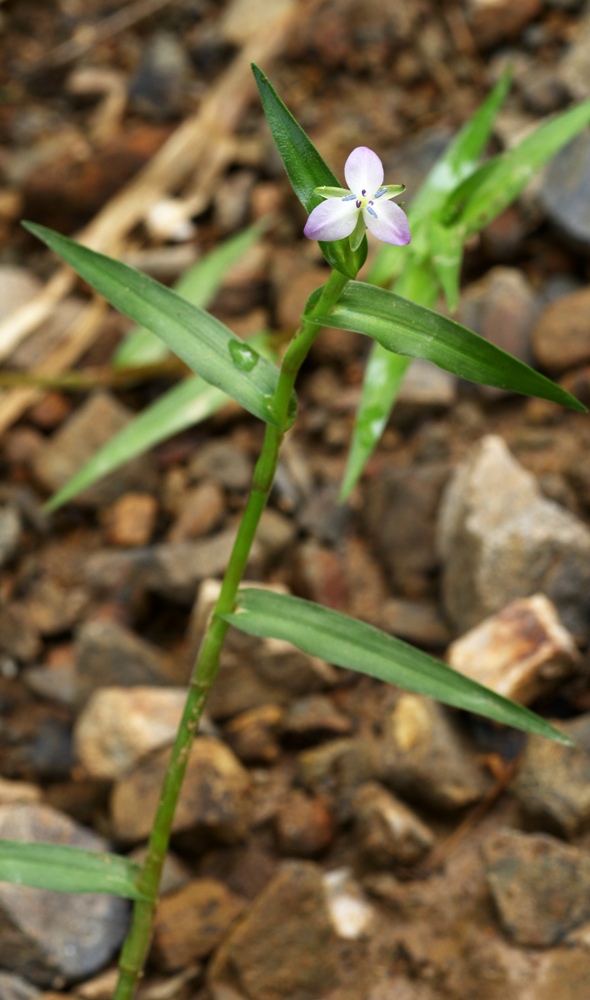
pixel 285 946
pixel 130 521
pixel 521 652
pixel 214 804
pixel 424 756
pixel 501 307
pixel 494 21
pixel 314 719
pixel 387 831
pixel 561 337
pixel 18 636
pixel 304 825
pixel 199 510
pixel 252 735
pixel 190 923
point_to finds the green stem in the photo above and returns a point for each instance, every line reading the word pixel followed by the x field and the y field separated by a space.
pixel 136 947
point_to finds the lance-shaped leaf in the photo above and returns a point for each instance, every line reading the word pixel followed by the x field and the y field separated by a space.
pixel 68 869
pixel 497 184
pixel 306 171
pixel 204 343
pixel 384 375
pixel 458 161
pixel 407 328
pixel 184 405
pixel 347 642
pixel 198 285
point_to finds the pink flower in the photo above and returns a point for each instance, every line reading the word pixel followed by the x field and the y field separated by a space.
pixel 367 204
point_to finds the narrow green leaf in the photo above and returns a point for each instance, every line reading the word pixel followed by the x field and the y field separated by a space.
pixel 461 156
pixel 457 162
pixel 512 170
pixel 347 642
pixel 412 330
pixel 384 376
pixel 184 405
pixel 67 869
pixel 447 257
pixel 205 344
pixel 306 170
pixel 198 285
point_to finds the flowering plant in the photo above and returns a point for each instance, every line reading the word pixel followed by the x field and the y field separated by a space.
pixel 458 198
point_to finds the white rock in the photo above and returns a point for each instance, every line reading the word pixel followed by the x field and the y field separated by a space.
pixel 119 726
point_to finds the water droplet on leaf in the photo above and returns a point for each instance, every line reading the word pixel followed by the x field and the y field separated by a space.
pixel 243 357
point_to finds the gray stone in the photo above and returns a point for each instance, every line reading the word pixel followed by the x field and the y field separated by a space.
pixel 160 84
pixel 387 831
pixel 118 726
pixel 49 938
pixel 565 194
pixel 541 887
pixel 424 757
pixel 108 654
pixel 553 781
pixel 222 462
pixel 420 622
pixel 285 946
pixel 214 805
pixel 172 570
pixel 94 423
pixel 399 515
pixel 500 540
pixel 424 388
pixel 15 988
pixel 521 652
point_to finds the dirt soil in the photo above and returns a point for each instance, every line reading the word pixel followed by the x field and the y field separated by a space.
pixel 137 125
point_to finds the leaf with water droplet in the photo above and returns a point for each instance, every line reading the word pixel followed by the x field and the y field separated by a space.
pixel 243 356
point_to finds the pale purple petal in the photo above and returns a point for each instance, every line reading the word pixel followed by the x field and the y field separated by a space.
pixel 389 224
pixel 363 171
pixel 332 220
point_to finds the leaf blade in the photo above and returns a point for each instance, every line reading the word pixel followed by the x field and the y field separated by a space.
pixel 353 644
pixel 198 286
pixel 68 869
pixel 413 330
pixel 306 170
pixel 204 343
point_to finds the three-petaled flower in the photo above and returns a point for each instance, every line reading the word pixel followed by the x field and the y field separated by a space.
pixel 367 204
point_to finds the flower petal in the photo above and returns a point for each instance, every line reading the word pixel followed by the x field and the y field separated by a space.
pixel 332 220
pixel 389 223
pixel 363 171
